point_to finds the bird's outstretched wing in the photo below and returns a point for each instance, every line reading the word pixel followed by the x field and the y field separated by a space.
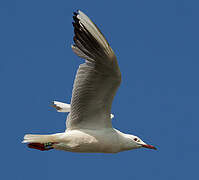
pixel 97 80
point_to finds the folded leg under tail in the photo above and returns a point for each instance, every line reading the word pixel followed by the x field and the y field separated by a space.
pixel 41 146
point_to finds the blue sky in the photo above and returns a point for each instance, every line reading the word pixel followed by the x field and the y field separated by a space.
pixel 156 43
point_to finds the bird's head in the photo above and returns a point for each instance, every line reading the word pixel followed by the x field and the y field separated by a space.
pixel 136 142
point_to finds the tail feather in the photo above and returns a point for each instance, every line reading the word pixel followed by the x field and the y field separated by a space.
pixel 35 138
pixel 42 142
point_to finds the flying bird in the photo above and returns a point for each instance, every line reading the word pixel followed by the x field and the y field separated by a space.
pixel 89 125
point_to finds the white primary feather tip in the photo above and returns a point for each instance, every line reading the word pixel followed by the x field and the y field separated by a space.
pixel 61 107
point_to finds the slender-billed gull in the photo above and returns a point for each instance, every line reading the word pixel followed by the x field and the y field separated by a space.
pixel 89 125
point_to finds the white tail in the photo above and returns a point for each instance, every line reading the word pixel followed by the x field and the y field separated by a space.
pixel 42 142
pixel 36 138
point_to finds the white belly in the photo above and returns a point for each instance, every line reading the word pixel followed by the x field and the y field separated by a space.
pixel 105 141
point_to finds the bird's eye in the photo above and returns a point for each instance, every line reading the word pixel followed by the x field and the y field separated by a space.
pixel 135 139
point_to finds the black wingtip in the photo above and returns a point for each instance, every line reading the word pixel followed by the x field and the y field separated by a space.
pixel 75 13
pixel 75 19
